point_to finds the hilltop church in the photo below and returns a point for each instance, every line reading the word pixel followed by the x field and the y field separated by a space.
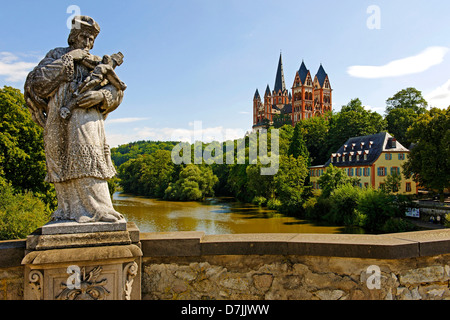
pixel 308 98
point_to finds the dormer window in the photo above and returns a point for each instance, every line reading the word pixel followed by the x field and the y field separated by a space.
pixel 345 147
pixel 333 156
pixel 362 145
pixel 350 156
pixel 370 144
pixel 353 146
pixel 366 152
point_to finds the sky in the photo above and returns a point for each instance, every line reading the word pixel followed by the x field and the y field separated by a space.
pixel 192 66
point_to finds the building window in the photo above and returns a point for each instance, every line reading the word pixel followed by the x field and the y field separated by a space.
pixel 395 170
pixel 408 187
pixel 381 171
pixel 350 172
pixel 366 184
pixel 401 156
pixel 366 172
pixel 358 172
pixel 388 156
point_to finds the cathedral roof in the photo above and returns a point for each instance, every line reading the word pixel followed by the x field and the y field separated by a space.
pixel 267 91
pixel 279 80
pixel 303 72
pixel 321 75
pixel 256 94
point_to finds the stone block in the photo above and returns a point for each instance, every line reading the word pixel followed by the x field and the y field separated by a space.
pixel 71 227
pixel 166 244
pixel 238 244
pixel 432 242
pixel 357 246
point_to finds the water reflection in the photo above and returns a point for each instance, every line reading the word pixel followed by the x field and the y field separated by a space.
pixel 213 216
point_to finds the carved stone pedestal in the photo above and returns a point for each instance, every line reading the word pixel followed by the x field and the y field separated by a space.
pixel 83 266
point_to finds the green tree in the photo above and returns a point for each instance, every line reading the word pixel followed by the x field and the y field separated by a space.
pixel 298 146
pixel 398 121
pixel 157 173
pixel 352 121
pixel 22 156
pixel 333 178
pixel 429 160
pixel 289 182
pixel 20 213
pixel 393 182
pixel 315 132
pixel 409 98
pixel 196 182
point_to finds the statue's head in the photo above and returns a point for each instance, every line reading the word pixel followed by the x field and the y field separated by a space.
pixel 83 33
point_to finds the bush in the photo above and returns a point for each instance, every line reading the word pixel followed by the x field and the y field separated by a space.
pixel 259 201
pixel 393 225
pixel 344 201
pixel 20 213
pixel 377 207
pixel 274 204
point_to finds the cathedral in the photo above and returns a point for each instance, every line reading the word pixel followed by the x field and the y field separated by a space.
pixel 309 98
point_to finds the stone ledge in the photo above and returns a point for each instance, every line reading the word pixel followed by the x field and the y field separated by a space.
pixel 166 244
pixel 11 253
pixel 81 254
pixel 185 244
pixel 389 246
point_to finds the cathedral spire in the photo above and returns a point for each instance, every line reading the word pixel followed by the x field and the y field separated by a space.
pixel 279 80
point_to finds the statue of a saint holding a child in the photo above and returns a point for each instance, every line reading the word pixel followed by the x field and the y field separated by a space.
pixel 70 93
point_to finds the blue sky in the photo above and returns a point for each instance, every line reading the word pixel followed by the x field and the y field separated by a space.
pixel 192 61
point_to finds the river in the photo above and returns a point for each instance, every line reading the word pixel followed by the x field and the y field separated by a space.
pixel 213 216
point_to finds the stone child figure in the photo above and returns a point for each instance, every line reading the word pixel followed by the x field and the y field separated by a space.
pixel 101 75
pixel 77 156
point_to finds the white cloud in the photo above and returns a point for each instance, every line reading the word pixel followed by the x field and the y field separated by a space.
pixel 175 134
pixel 439 97
pixel 244 112
pixel 13 68
pixel 415 64
pixel 124 120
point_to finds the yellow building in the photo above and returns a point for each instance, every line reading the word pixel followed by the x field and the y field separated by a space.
pixel 370 159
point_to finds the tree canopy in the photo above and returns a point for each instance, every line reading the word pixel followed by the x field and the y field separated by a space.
pixel 429 160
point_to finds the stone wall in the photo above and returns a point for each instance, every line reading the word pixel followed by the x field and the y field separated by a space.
pixel 194 266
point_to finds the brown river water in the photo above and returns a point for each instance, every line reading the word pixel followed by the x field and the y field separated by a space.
pixel 213 216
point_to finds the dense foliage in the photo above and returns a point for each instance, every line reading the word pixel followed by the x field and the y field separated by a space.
pixel 429 161
pixel 26 199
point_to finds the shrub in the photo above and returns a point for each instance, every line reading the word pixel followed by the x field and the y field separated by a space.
pixel 20 213
pixel 274 204
pixel 259 201
pixel 344 201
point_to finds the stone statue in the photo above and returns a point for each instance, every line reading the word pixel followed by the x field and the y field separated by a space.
pixel 70 93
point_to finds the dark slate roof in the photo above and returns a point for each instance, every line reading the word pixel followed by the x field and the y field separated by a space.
pixel 256 94
pixel 373 145
pixel 279 80
pixel 284 109
pixel 321 75
pixel 303 72
pixel 267 91
pixel 287 109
